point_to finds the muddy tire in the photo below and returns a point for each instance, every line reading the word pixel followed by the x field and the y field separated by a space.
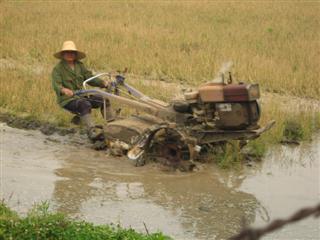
pixel 169 148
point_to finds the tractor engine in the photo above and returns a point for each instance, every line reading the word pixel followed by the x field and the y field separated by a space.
pixel 224 106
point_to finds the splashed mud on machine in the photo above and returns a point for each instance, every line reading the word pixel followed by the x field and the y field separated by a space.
pixel 179 132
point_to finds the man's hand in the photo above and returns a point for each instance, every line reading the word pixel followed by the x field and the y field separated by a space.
pixel 67 91
pixel 105 84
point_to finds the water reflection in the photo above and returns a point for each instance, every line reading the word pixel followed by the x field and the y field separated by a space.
pixel 208 204
pixel 288 179
pixel 190 205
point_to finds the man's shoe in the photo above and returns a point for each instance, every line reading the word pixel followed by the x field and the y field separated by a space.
pixel 96 134
pixel 76 120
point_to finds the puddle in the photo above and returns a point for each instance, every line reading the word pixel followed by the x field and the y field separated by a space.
pixel 209 204
pixel 288 179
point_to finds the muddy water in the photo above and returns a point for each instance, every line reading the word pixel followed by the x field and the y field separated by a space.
pixel 208 204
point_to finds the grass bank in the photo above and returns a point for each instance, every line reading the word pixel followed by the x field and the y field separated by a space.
pixel 40 224
pixel 272 43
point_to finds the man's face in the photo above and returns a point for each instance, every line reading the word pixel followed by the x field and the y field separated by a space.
pixel 69 56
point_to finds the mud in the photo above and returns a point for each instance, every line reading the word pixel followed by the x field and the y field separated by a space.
pixel 32 124
pixel 208 204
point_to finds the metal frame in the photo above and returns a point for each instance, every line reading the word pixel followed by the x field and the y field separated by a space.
pixel 137 99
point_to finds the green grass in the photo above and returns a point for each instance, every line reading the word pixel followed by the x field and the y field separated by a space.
pixel 293 131
pixel 40 224
pixel 230 157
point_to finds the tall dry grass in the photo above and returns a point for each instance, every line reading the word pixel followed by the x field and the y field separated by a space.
pixel 273 43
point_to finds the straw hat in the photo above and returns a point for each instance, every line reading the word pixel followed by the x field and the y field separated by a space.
pixel 69 46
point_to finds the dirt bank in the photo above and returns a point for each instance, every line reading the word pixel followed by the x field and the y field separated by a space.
pixel 28 123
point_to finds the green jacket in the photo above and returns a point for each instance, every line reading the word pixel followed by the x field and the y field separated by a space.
pixel 64 76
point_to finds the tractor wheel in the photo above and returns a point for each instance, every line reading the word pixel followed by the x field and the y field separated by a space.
pixel 169 148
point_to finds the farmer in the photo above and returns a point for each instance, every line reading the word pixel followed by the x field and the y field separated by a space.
pixel 67 77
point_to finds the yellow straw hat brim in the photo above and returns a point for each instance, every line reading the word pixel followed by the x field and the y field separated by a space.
pixel 80 55
pixel 69 46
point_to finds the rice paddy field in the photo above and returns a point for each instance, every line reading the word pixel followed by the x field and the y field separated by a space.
pixel 165 46
pixel 275 44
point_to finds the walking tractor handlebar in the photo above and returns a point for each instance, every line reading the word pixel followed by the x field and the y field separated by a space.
pixel 84 92
pixel 114 88
pixel 129 95
pixel 119 80
pixel 94 77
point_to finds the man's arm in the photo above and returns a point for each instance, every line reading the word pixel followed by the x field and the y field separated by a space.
pixel 57 84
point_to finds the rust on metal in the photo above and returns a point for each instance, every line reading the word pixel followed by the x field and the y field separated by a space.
pixel 215 113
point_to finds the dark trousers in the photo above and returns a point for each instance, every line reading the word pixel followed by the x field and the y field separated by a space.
pixel 84 105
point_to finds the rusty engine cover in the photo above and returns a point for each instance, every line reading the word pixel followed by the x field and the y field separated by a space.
pixel 212 93
pixel 235 105
pixel 245 110
pixel 241 92
pixel 219 92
